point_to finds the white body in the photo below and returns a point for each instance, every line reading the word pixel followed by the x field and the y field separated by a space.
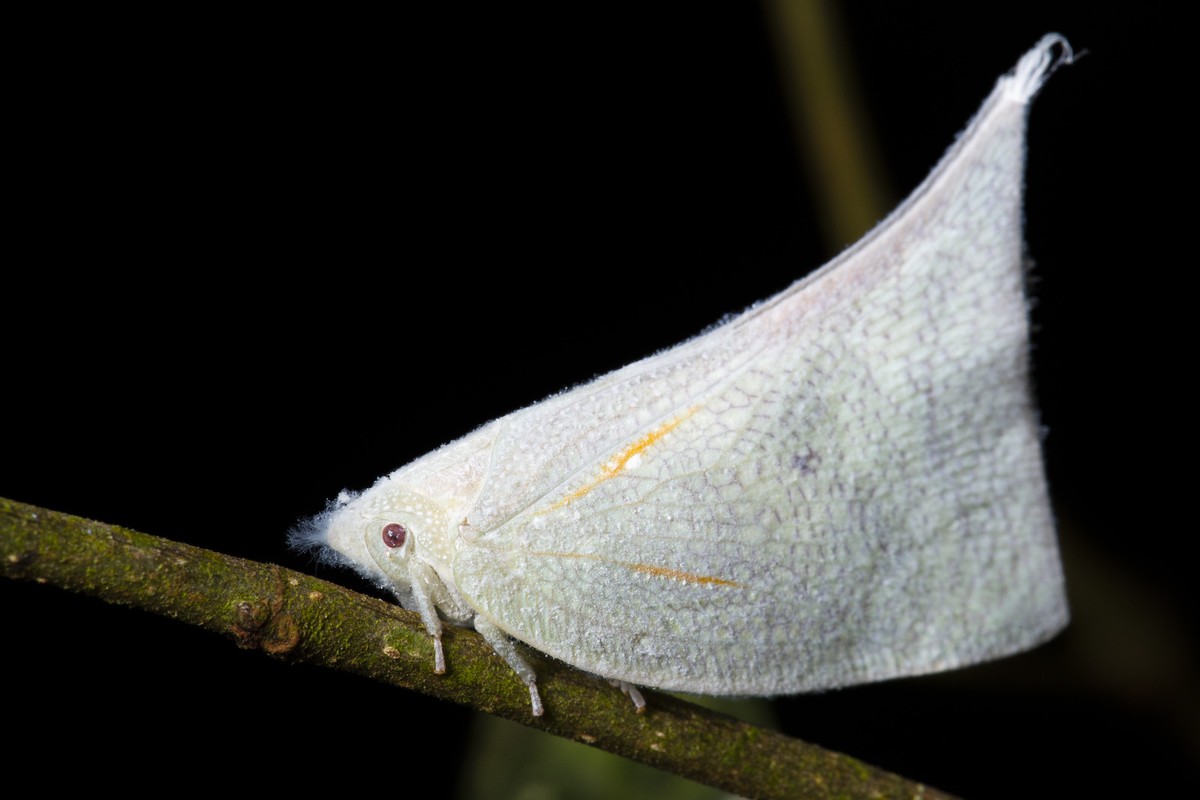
pixel 843 484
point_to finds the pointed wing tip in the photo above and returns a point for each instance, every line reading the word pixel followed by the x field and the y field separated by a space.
pixel 1036 66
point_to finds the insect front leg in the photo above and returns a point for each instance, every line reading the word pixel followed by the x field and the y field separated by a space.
pixel 425 584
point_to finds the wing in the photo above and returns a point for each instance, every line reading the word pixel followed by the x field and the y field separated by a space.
pixel 844 484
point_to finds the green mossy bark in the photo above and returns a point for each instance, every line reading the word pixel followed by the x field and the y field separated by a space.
pixel 293 616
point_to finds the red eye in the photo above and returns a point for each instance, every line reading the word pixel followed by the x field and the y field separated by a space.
pixel 394 535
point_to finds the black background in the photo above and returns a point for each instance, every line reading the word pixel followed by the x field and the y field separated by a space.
pixel 254 260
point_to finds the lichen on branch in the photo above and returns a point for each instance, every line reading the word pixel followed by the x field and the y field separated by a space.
pixel 299 618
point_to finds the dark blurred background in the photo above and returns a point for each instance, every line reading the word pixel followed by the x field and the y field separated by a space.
pixel 256 259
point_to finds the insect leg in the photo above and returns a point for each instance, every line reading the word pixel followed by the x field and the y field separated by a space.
pixel 631 691
pixel 504 648
pixel 423 578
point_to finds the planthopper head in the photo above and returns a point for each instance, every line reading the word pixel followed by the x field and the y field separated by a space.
pixel 378 533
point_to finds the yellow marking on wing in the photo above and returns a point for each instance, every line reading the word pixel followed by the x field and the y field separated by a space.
pixel 616 465
pixel 649 569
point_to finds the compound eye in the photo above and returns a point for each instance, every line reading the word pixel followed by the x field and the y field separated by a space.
pixel 394 535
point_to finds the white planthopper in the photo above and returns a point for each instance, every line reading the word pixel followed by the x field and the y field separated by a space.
pixel 843 484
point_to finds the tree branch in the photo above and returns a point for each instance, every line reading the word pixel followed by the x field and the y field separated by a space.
pixel 299 618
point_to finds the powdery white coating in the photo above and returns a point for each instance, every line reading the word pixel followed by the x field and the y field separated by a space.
pixel 844 484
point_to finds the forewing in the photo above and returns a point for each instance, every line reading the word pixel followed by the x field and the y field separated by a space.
pixel 844 484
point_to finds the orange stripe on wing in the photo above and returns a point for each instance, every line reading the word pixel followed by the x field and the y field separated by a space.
pixel 648 569
pixel 617 463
